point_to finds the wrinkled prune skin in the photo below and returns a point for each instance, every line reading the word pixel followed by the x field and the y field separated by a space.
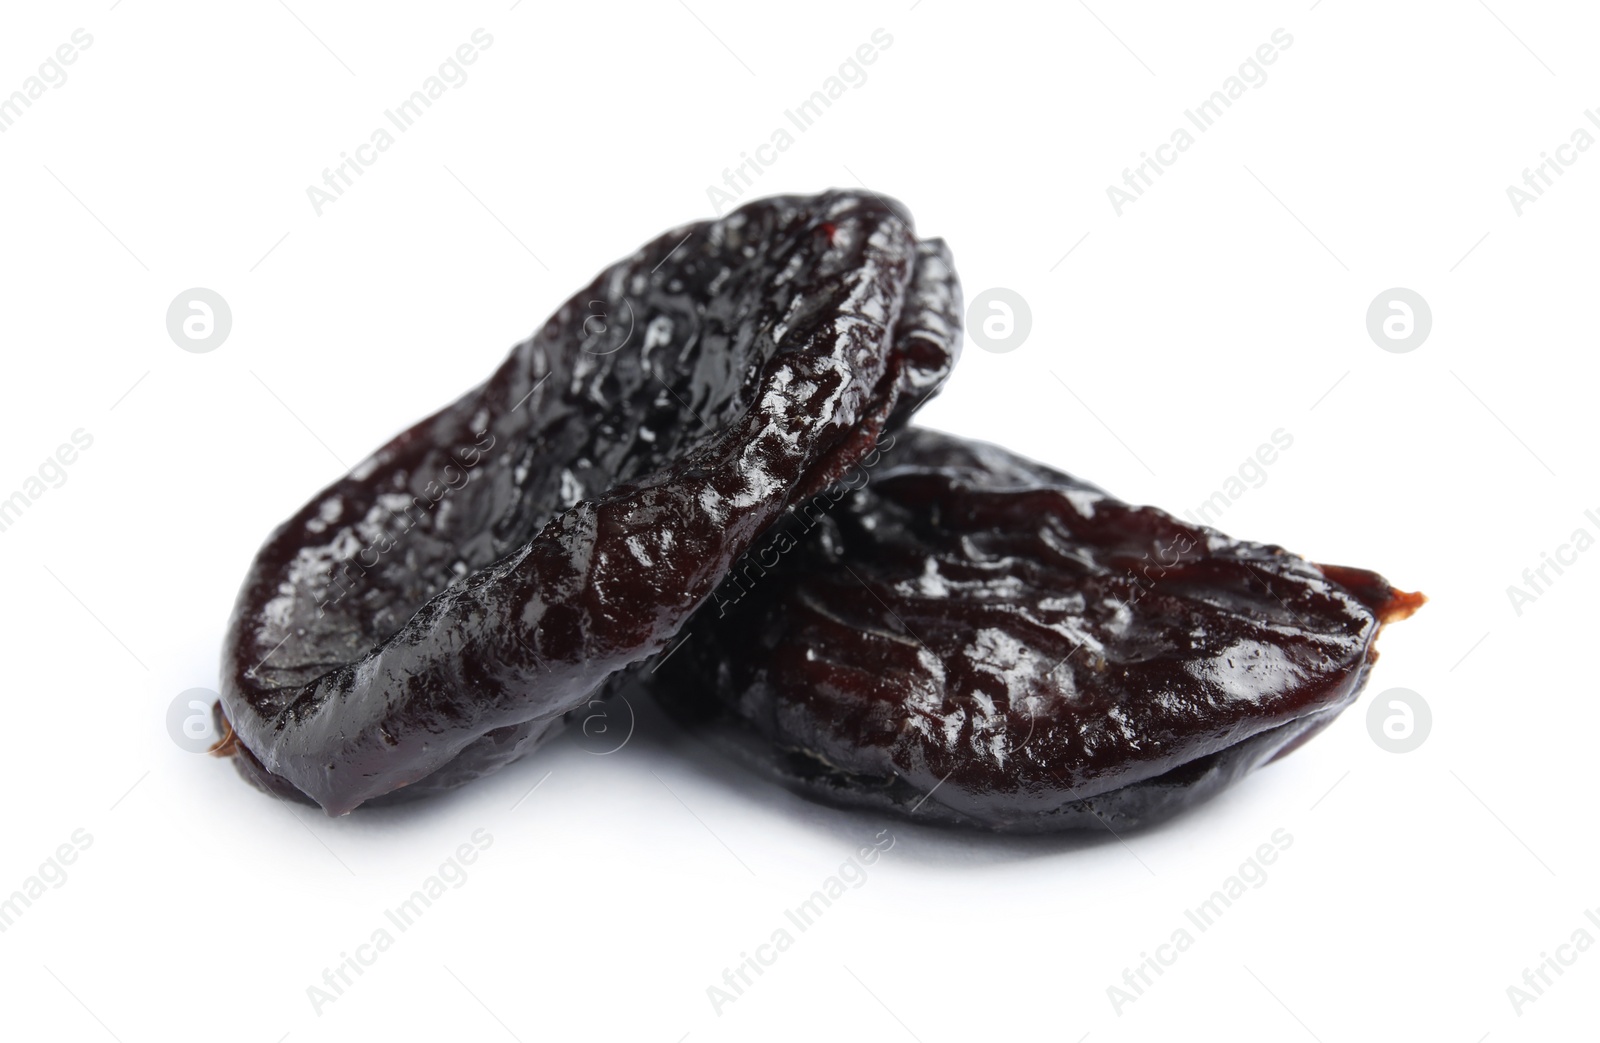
pixel 432 615
pixel 979 640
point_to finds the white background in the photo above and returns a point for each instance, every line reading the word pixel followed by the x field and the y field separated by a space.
pixel 1167 343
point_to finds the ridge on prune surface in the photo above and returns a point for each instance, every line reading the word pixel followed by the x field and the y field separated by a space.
pixel 432 615
pixel 983 641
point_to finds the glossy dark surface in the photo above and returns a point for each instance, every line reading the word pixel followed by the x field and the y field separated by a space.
pixel 1033 653
pixel 431 616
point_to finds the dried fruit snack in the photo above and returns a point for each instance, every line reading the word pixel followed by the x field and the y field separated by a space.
pixel 431 616
pixel 984 641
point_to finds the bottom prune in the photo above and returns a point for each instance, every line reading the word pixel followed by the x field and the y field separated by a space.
pixel 983 641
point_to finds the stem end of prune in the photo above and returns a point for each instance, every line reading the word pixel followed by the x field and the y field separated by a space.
pixel 228 742
pixel 1388 603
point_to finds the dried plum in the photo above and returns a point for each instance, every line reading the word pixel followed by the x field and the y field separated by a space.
pixel 984 641
pixel 432 615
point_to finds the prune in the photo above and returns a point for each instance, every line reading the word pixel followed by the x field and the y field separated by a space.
pixel 432 615
pixel 983 641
